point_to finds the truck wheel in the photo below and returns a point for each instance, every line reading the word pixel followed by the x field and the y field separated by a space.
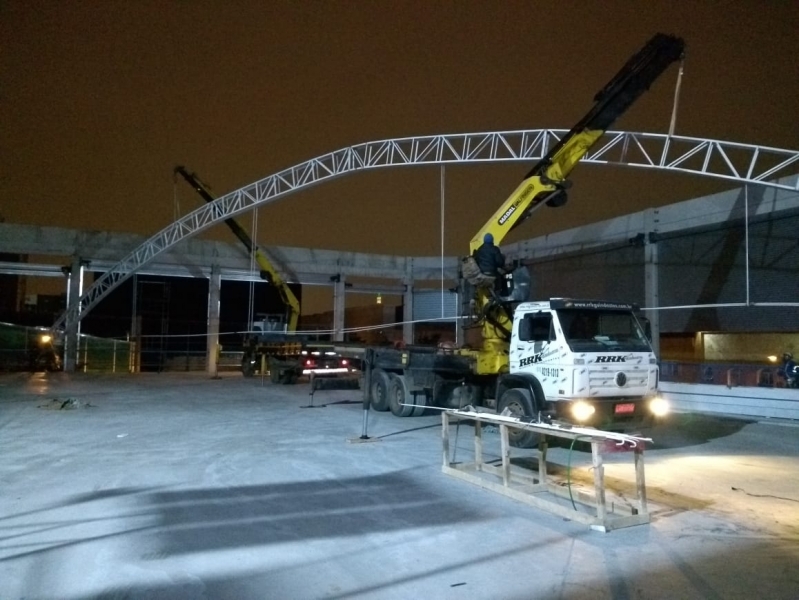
pixel 290 376
pixel 247 366
pixel 420 404
pixel 379 390
pixel 399 398
pixel 520 404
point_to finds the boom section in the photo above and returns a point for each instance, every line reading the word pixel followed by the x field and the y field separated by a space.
pixel 547 181
pixel 268 271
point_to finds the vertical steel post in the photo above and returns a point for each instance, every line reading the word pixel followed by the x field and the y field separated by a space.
pixel 72 325
pixel 407 312
pixel 651 284
pixel 212 346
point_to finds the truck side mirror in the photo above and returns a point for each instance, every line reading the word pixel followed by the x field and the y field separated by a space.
pixel 647 327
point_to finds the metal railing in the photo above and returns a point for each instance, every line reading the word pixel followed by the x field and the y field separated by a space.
pixel 722 373
pixel 24 348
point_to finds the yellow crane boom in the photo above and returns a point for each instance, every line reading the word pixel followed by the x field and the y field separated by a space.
pixel 267 270
pixel 546 183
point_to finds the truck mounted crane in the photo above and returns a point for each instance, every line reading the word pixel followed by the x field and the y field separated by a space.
pixel 272 324
pixel 272 345
pixel 583 361
pixel 547 182
pixel 267 270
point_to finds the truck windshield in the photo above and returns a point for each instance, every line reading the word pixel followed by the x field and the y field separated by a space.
pixel 602 330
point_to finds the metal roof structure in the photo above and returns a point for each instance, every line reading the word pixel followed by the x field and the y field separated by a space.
pixel 746 164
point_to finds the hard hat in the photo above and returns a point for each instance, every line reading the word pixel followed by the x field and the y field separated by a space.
pixel 488 238
pixel 787 355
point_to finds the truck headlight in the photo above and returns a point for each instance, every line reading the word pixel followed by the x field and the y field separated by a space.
pixel 45 338
pixel 659 407
pixel 582 411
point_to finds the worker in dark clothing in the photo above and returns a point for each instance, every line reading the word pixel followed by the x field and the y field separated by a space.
pixel 789 371
pixel 487 263
pixel 489 258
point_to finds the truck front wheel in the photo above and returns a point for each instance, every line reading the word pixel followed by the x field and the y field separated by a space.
pixel 519 404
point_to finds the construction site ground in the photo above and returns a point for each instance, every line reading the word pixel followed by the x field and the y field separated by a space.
pixel 178 486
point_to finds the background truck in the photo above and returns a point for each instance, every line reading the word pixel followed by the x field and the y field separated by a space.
pixel 533 362
pixel 286 358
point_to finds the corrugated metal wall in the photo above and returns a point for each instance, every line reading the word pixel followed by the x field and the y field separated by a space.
pixel 427 305
pixel 709 267
pixel 699 267
pixel 609 274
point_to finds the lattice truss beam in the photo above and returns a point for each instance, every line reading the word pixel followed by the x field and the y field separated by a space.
pixel 741 163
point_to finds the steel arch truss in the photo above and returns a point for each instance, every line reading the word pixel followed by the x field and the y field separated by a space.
pixel 741 163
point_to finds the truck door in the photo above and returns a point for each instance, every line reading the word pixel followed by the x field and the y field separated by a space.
pixel 535 349
pixel 532 335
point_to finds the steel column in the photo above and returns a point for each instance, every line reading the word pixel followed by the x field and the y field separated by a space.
pixel 339 307
pixel 407 313
pixel 212 349
pixel 72 325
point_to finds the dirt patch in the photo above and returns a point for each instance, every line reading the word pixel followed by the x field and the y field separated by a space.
pixel 66 404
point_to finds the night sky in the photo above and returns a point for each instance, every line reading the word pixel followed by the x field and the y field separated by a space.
pixel 100 100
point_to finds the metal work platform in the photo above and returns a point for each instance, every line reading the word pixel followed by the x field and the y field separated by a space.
pixel 537 488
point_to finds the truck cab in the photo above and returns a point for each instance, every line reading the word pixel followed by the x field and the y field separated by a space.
pixel 270 327
pixel 589 362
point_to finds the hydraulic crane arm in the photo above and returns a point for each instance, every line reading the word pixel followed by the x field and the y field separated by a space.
pixel 268 271
pixel 547 181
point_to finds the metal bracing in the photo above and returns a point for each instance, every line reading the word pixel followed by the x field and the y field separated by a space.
pixel 741 163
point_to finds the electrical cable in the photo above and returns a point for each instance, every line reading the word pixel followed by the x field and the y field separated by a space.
pixel 676 98
pixel 442 239
pixel 175 200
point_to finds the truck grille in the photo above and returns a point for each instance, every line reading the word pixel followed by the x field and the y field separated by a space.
pixel 606 380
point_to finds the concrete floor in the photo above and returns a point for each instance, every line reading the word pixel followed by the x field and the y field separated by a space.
pixel 178 486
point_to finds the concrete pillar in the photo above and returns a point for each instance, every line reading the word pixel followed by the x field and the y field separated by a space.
pixel 407 313
pixel 135 329
pixel 339 306
pixel 651 285
pixel 212 349
pixel 72 324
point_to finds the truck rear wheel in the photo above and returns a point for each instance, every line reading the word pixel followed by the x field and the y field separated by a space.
pixel 283 372
pixel 399 399
pixel 274 374
pixel 420 404
pixel 519 403
pixel 247 365
pixel 379 390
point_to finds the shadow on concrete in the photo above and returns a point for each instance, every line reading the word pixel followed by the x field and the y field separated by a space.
pixel 212 519
pixel 691 429
pixel 757 569
pixel 677 430
pixel 198 520
pixel 762 569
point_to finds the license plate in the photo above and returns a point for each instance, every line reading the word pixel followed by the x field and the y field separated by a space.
pixel 622 409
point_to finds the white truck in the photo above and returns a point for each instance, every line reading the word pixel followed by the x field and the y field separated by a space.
pixel 584 361
pixel 577 361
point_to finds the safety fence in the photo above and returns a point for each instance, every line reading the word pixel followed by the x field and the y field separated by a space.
pixel 722 373
pixel 25 348
pixel 30 348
